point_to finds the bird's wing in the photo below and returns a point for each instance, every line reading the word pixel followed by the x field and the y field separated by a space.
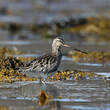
pixel 43 63
pixel 29 66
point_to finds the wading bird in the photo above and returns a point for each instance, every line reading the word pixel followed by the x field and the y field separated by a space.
pixel 48 64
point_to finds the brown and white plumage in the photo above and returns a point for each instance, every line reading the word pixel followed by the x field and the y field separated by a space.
pixel 48 63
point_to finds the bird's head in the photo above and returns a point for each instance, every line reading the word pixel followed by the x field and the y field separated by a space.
pixel 59 42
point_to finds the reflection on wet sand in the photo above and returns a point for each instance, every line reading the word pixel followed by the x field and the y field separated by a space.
pixel 43 98
pixel 44 95
pixel 61 95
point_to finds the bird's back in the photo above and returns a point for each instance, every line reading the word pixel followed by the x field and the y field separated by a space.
pixel 46 64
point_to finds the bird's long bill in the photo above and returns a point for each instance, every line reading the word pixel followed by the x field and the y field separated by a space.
pixel 66 45
pixel 80 51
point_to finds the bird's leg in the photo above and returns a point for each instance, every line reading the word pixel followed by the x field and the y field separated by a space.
pixel 45 77
pixel 40 79
pixel 43 83
pixel 44 80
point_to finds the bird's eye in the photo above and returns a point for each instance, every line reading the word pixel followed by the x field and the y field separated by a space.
pixel 60 41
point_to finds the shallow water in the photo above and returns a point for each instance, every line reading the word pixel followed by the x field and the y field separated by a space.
pixel 86 94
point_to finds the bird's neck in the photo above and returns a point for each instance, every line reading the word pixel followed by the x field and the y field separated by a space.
pixel 56 50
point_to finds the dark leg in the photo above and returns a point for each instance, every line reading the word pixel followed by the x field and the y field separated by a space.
pixel 42 82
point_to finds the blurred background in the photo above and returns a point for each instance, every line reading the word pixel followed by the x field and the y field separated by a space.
pixel 81 21
pixel 27 28
pixel 24 19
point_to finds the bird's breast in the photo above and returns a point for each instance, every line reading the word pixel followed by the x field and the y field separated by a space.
pixel 54 67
